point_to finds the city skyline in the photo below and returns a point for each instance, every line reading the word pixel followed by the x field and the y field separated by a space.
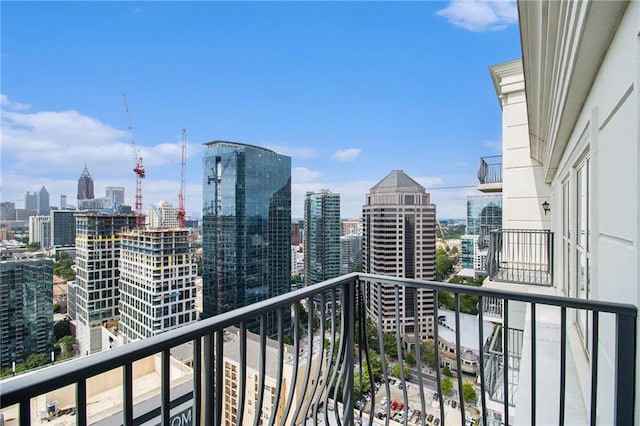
pixel 345 88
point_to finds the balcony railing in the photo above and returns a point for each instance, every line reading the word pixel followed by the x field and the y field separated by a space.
pixel 523 256
pixel 238 377
pixel 490 170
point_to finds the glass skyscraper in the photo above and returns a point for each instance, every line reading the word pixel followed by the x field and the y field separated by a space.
pixel 246 225
pixel 484 212
pixel 322 236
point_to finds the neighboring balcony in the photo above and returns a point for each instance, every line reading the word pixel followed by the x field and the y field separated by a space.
pixel 490 174
pixel 336 367
pixel 522 256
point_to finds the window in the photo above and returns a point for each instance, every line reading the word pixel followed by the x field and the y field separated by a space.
pixel 582 246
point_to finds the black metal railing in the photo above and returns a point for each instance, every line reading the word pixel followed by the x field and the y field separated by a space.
pixel 345 353
pixel 490 170
pixel 523 256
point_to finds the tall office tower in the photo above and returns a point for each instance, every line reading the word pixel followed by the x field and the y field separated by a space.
pixel 85 185
pixel 43 202
pixel 162 215
pixel 246 226
pixel 63 201
pixel 350 253
pixel 115 194
pixel 31 201
pixel 484 212
pixel 26 309
pixel 400 240
pixel 63 227
pixel 7 210
pixel 351 227
pixel 98 238
pixel 40 230
pixel 295 234
pixel 322 236
pixel 157 282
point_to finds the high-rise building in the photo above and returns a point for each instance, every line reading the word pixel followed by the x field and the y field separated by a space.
pixel 115 194
pixel 7 210
pixel 85 185
pixel 400 240
pixel 43 202
pixel 350 253
pixel 484 213
pixel 162 215
pixel 31 201
pixel 63 201
pixel 40 230
pixel 98 240
pixel 246 226
pixel 63 227
pixel 351 227
pixel 157 282
pixel 322 236
pixel 26 309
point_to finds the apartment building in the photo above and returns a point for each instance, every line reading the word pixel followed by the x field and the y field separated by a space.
pixel 322 236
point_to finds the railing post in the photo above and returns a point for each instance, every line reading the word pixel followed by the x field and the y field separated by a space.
pixel 349 330
pixel 625 369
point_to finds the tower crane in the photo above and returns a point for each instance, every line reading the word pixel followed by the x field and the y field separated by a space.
pixel 181 211
pixel 138 169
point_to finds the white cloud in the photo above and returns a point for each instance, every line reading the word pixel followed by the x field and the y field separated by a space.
pixel 481 15
pixel 345 155
pixel 136 10
pixel 8 104
pixel 302 174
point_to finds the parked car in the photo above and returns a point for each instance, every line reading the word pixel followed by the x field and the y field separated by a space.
pixel 453 404
pixel 436 422
pixel 430 418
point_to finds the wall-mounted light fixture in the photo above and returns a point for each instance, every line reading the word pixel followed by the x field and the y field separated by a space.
pixel 546 207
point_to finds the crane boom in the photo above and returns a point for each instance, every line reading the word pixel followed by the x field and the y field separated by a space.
pixel 181 210
pixel 139 168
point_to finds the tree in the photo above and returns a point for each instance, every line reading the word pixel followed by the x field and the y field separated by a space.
pixel 33 247
pixel 447 386
pixel 396 370
pixel 447 371
pixel 390 344
pixel 57 308
pixel 428 353
pixel 361 383
pixel 469 392
pixel 65 345
pixel 36 360
pixel 454 250
pixel 62 328
pixel 410 359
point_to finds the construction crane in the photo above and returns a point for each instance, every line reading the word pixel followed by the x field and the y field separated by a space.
pixel 138 169
pixel 181 211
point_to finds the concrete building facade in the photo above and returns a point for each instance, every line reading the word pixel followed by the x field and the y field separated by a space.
pixel 40 230
pixel 399 239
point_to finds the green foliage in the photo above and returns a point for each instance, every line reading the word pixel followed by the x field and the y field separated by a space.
pixel 410 359
pixel 199 266
pixel 428 353
pixel 36 360
pixel 396 370
pixel 444 264
pixel 454 232
pixel 62 267
pixel 447 372
pixel 469 392
pixel 294 279
pixel 57 308
pixel 374 362
pixel 62 328
pixel 361 383
pixel 454 250
pixel 447 386
pixel 390 344
pixel 65 345
pixel 33 247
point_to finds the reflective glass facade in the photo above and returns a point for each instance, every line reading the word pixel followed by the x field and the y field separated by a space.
pixel 322 236
pixel 246 225
pixel 483 210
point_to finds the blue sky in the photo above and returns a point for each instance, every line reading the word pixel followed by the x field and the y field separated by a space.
pixel 350 90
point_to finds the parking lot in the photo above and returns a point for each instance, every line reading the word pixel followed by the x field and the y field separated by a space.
pixel 395 403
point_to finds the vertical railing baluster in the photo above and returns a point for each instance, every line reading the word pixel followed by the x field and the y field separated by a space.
pixel 456 301
pixel 307 371
pixel 563 362
pixel 534 363
pixel 276 400
pixel 481 345
pixel 505 360
pixel 165 390
pixel 349 291
pixel 418 353
pixel 385 373
pixel 197 381
pixel 127 394
pixel 263 351
pixel 624 393
pixel 594 367
pixel 316 393
pixel 209 406
pixel 399 349
pixel 362 319
pixel 294 371
pixel 81 404
pixel 219 375
pixel 436 347
pixel 242 380
pixel 334 362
